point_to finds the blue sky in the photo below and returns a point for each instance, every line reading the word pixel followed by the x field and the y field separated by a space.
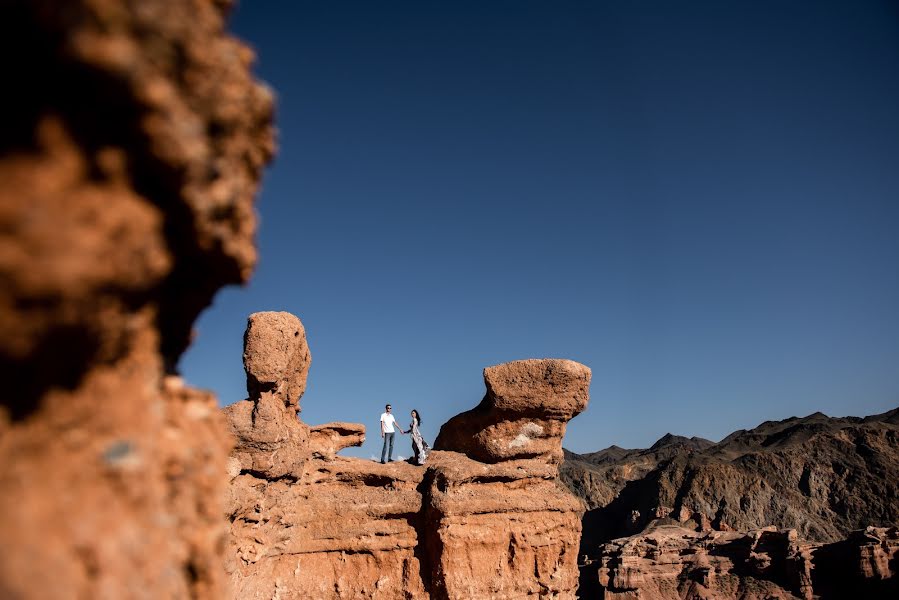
pixel 698 200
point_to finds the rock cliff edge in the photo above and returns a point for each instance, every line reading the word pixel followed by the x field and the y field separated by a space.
pixel 485 517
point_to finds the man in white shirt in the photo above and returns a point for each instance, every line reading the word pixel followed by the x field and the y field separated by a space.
pixel 387 430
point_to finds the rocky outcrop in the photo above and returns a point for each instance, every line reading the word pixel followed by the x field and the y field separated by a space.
pixel 524 413
pixel 270 440
pixel 343 528
pixel 500 526
pixel 669 561
pixel 276 357
pixel 133 140
pixel 306 523
pixel 822 476
pixel 327 440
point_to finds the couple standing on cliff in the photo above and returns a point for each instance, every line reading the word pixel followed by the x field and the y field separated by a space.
pixel 420 447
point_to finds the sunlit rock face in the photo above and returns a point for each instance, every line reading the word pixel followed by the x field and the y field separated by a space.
pixel 524 413
pixel 270 440
pixel 133 139
pixel 306 523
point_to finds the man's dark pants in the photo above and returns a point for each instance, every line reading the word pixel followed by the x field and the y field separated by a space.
pixel 387 436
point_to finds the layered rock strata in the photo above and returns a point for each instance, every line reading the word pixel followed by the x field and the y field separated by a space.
pixel 500 525
pixel 306 523
pixel 669 561
pixel 133 140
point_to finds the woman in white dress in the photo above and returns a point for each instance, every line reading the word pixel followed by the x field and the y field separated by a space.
pixel 420 447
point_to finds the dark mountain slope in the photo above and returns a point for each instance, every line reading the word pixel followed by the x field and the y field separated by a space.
pixel 820 475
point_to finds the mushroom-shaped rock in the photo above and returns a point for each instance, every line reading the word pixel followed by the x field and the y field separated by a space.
pixel 325 441
pixel 276 357
pixel 270 439
pixel 524 413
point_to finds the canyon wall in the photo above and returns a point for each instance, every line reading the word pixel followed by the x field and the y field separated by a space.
pixel 133 141
pixel 484 518
pixel 685 517
pixel 669 561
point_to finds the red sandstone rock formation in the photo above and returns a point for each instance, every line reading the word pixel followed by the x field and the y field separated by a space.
pixel 505 530
pixel 270 440
pixel 306 523
pixel 524 413
pixel 669 561
pixel 133 139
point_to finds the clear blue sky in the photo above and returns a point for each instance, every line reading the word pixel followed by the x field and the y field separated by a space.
pixel 698 200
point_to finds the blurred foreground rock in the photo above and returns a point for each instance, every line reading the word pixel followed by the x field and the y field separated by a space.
pixel 306 523
pixel 133 141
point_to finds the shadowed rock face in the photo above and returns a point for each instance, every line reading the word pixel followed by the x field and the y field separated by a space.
pixel 133 139
pixel 306 523
pixel 668 561
pixel 822 476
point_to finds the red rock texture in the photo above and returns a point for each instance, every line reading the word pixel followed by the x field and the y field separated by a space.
pixel 327 440
pixel 134 137
pixel 306 523
pixel 669 561
pixel 503 530
pixel 270 440
pixel 524 413
pixel 276 357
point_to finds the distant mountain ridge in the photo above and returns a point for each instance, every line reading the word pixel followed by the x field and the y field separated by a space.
pixel 823 476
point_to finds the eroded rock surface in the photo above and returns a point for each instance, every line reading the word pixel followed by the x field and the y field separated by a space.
pixel 276 357
pixel 524 413
pixel 270 440
pixel 306 523
pixel 669 561
pixel 133 140
pixel 329 439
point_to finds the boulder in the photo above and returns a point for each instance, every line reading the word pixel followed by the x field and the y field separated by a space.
pixel 276 357
pixel 524 413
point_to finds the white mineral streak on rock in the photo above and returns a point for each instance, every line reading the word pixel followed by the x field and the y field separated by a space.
pixel 528 433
